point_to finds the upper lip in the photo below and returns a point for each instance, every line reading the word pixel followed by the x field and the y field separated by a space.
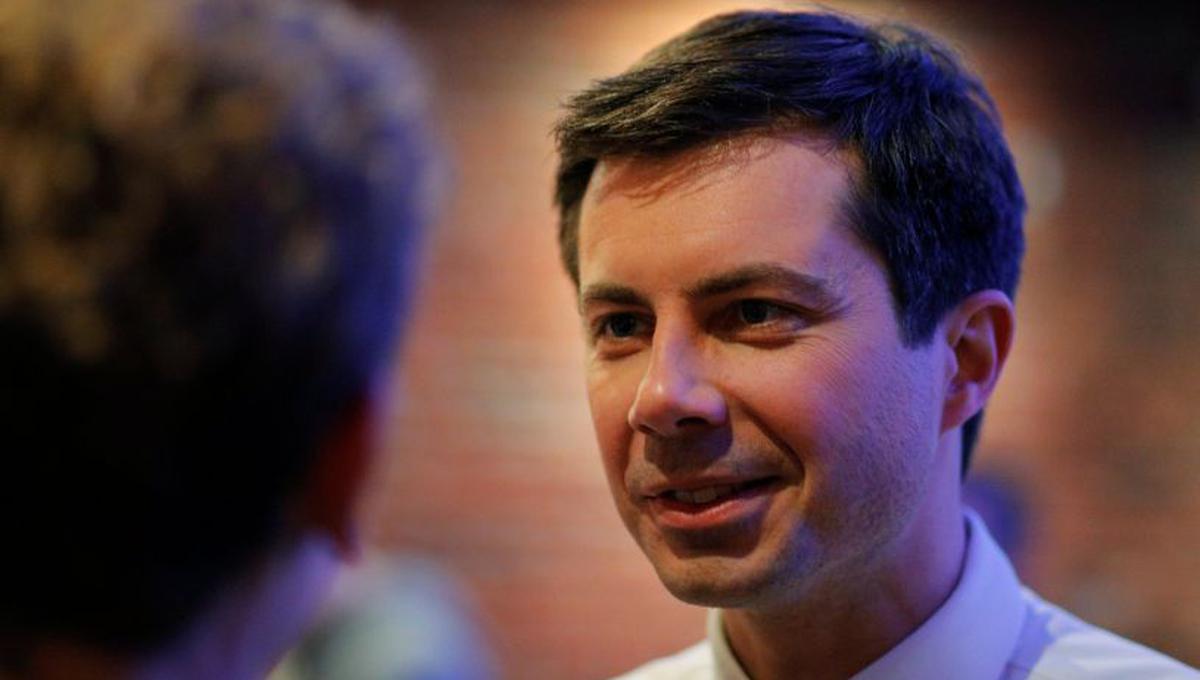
pixel 696 483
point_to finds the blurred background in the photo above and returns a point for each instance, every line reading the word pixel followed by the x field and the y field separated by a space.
pixel 1091 449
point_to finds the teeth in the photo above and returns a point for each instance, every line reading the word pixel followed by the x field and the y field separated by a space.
pixel 706 495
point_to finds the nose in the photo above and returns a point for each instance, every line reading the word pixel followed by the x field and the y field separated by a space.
pixel 675 397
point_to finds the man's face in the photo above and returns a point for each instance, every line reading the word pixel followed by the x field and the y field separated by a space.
pixel 764 431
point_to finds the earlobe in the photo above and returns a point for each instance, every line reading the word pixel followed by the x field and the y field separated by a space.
pixel 328 500
pixel 978 333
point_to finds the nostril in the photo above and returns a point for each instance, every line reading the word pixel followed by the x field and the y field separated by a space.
pixel 645 429
pixel 691 421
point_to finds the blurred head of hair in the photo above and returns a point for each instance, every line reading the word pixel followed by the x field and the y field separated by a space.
pixel 208 210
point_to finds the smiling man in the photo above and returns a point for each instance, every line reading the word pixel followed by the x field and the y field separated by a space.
pixel 796 239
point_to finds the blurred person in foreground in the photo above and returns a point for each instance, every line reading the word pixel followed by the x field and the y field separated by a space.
pixel 796 239
pixel 208 215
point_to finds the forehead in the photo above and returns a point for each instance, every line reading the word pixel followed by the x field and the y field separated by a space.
pixel 755 200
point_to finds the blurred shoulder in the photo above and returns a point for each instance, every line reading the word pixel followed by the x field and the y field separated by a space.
pixel 1056 645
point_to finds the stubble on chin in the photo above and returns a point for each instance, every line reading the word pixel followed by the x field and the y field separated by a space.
pixel 761 577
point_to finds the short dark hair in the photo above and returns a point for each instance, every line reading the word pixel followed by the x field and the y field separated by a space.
pixel 938 195
pixel 207 212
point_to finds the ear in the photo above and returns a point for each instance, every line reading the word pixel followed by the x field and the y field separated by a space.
pixel 978 334
pixel 328 500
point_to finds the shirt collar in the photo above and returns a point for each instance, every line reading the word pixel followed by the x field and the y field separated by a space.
pixel 726 664
pixel 971 636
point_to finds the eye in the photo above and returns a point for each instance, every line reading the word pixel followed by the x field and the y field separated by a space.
pixel 621 325
pixel 756 312
pixel 620 334
pixel 758 321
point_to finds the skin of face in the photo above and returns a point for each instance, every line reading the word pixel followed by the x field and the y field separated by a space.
pixel 742 343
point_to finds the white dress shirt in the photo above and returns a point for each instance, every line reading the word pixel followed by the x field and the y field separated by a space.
pixel 990 628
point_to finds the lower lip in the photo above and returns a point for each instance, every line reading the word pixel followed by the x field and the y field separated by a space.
pixel 734 508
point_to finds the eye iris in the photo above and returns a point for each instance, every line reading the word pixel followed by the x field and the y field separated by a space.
pixel 622 326
pixel 755 311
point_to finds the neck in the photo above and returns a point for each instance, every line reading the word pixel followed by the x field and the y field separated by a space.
pixel 843 629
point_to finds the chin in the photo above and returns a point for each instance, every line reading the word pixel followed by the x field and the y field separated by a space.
pixel 723 582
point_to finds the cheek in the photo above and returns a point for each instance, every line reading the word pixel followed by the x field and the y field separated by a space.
pixel 610 396
pixel 875 424
pixel 840 410
pixel 811 397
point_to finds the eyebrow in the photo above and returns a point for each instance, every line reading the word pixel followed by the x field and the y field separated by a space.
pixel 814 288
pixel 613 293
pixel 821 292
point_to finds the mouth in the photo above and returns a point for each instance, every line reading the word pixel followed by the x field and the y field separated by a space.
pixel 707 506
pixel 711 495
